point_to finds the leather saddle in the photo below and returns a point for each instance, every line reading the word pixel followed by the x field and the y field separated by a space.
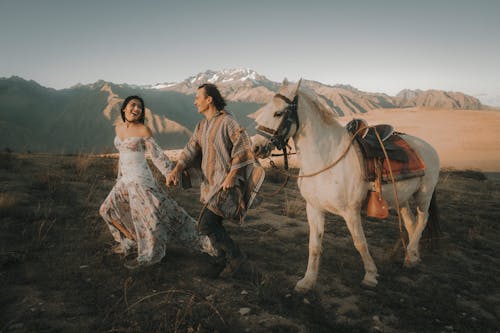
pixel 367 139
pixel 403 160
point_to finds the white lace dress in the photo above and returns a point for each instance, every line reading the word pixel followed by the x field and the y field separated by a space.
pixel 148 213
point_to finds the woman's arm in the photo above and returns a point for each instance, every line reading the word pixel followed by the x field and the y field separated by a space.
pixel 190 152
pixel 159 158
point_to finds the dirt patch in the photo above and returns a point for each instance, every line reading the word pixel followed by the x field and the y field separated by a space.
pixel 57 273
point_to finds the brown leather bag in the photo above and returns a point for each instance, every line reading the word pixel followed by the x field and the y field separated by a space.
pixel 377 206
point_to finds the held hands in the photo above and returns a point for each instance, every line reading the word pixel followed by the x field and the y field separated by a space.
pixel 173 177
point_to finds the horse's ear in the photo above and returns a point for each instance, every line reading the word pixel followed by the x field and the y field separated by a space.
pixel 298 86
pixel 285 82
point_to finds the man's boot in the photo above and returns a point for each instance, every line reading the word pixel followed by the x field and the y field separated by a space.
pixel 220 258
pixel 234 259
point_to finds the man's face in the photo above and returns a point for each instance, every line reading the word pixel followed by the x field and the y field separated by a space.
pixel 202 101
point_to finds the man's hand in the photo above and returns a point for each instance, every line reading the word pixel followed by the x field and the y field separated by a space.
pixel 229 181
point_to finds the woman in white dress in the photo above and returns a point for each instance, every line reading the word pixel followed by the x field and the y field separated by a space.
pixel 138 213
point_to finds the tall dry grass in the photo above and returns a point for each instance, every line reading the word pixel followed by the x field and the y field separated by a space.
pixel 44 219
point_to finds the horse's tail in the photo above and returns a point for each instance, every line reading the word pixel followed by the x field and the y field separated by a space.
pixel 432 229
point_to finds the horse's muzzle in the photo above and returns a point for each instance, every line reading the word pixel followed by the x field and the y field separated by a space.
pixel 261 146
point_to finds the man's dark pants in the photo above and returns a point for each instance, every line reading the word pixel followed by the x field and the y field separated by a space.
pixel 211 226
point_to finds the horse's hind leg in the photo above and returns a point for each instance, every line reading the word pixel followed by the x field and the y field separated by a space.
pixel 353 221
pixel 412 257
pixel 423 203
pixel 408 219
pixel 413 243
pixel 316 219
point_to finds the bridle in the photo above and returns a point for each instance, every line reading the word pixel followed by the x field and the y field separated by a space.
pixel 278 138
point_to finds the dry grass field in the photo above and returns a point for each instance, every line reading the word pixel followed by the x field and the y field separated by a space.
pixel 57 273
pixel 464 139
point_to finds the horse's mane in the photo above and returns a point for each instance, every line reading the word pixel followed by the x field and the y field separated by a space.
pixel 325 112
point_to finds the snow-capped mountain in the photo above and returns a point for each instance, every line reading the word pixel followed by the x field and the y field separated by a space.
pixel 225 76
pixel 239 85
pixel 246 75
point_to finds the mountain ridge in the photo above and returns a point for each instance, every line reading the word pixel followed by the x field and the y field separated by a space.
pixel 81 118
pixel 246 85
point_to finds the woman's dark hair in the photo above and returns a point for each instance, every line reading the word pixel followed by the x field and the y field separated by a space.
pixel 124 105
pixel 212 91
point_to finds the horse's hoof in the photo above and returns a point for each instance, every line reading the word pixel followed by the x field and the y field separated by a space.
pixel 369 283
pixel 303 286
pixel 411 263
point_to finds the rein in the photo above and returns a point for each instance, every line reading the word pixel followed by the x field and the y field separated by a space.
pixel 346 150
pixel 396 200
pixel 289 175
pixel 280 141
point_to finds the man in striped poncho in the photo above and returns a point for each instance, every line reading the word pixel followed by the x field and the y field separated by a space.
pixel 231 176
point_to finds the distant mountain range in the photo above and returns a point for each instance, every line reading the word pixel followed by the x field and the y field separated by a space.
pixel 246 85
pixel 81 118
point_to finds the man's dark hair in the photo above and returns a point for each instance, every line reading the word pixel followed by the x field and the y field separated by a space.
pixel 212 91
pixel 124 105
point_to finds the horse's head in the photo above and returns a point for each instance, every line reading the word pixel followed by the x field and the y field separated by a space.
pixel 277 121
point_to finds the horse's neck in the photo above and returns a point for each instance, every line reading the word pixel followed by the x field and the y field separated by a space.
pixel 318 144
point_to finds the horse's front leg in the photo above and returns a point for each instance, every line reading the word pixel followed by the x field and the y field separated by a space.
pixel 353 221
pixel 316 219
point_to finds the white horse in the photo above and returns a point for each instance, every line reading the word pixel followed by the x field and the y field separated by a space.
pixel 298 113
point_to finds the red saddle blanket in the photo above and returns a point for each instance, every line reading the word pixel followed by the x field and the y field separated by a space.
pixel 403 168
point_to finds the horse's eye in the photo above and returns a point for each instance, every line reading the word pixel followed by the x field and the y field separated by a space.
pixel 278 113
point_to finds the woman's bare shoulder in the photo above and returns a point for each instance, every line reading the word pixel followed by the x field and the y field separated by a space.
pixel 145 131
pixel 119 128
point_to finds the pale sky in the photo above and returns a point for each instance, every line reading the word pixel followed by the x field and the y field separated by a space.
pixel 376 46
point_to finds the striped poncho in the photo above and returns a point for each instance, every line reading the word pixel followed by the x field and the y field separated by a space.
pixel 223 145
